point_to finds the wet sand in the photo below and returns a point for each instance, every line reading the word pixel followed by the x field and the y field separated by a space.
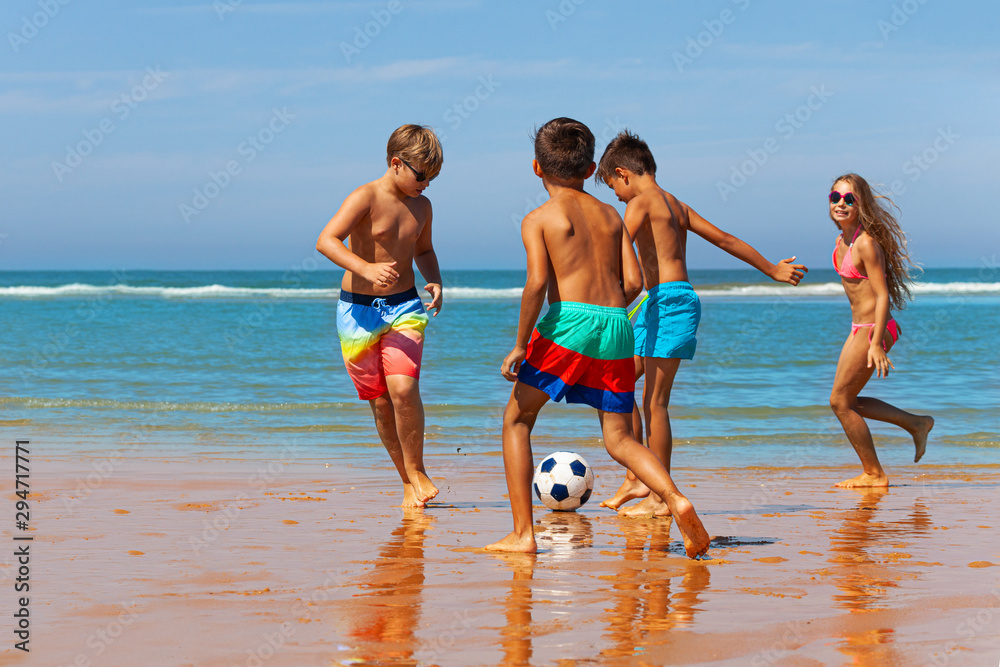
pixel 173 561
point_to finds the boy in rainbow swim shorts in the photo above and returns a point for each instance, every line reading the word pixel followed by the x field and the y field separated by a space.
pixel 666 328
pixel 380 318
pixel 580 255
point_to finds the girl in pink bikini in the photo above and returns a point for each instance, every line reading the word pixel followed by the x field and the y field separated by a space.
pixel 871 258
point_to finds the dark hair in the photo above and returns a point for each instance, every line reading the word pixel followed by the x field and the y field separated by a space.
pixel 564 148
pixel 626 151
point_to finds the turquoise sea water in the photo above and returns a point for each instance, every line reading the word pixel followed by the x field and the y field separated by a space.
pixel 244 363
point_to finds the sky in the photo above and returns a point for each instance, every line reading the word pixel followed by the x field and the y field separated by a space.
pixel 225 134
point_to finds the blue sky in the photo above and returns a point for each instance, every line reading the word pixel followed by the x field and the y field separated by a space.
pixel 121 119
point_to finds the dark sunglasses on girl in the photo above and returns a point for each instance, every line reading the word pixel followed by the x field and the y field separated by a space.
pixel 849 198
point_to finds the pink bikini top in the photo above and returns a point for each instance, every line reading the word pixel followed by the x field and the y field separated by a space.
pixel 847 268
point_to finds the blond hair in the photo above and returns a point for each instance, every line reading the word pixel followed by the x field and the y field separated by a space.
pixel 418 146
pixel 876 218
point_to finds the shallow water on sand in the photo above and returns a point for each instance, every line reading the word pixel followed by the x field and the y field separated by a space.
pixel 244 362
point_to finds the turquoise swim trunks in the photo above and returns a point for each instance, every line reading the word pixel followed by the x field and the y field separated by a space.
pixel 668 322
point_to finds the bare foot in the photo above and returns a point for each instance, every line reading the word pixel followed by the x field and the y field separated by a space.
pixel 410 498
pixel 515 544
pixel 629 490
pixel 423 487
pixel 920 437
pixel 650 507
pixel 864 480
pixel 696 539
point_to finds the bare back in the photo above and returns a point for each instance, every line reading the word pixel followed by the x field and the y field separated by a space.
pixel 659 223
pixel 583 239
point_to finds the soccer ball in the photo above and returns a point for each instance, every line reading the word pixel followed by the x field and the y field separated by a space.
pixel 563 481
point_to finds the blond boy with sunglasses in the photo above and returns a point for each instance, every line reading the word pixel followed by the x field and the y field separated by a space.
pixel 382 229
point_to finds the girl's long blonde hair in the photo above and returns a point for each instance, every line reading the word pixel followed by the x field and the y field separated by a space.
pixel 877 220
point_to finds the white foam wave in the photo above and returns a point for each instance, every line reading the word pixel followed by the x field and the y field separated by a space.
pixel 458 293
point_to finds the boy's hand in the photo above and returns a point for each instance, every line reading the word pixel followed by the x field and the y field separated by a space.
pixel 436 293
pixel 786 272
pixel 381 274
pixel 878 358
pixel 512 363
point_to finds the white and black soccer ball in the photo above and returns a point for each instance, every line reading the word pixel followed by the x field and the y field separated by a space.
pixel 563 481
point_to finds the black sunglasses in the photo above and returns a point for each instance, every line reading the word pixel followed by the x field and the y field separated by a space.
pixel 849 198
pixel 419 175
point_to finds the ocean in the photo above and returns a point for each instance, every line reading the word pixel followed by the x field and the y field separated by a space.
pixel 244 363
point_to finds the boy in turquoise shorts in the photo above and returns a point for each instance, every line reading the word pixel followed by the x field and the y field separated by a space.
pixel 666 328
pixel 579 254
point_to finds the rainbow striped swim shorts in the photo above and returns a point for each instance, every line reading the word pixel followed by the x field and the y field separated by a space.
pixel 582 353
pixel 380 336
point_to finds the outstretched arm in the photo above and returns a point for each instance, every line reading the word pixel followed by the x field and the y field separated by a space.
pixel 874 263
pixel 783 272
pixel 533 296
pixel 331 241
pixel 427 263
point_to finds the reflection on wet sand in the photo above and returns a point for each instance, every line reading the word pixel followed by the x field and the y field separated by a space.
pixel 515 638
pixel 642 606
pixel 865 548
pixel 559 534
pixel 385 614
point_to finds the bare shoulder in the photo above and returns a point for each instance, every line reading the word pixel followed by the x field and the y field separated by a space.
pixel 607 209
pixel 677 210
pixel 641 203
pixel 421 205
pixel 367 191
pixel 868 247
pixel 540 216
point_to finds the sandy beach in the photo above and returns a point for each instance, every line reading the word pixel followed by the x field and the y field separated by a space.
pixel 294 561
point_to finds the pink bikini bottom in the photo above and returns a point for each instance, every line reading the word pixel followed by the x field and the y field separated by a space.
pixel 891 327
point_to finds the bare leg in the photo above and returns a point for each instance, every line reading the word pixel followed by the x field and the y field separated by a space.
pixel 660 374
pixel 852 375
pixel 404 393
pixel 518 420
pixel 917 426
pixel 647 467
pixel 385 424
pixel 631 488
